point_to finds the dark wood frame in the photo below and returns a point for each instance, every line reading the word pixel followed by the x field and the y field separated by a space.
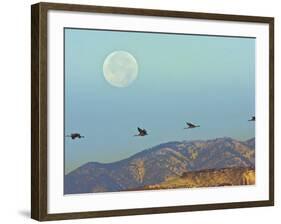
pixel 39 110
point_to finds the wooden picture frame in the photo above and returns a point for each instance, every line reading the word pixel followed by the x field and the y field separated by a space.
pixel 39 110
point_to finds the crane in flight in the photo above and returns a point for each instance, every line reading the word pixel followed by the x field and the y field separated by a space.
pixel 190 125
pixel 73 136
pixel 142 132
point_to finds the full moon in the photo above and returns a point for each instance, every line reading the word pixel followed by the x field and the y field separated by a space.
pixel 120 69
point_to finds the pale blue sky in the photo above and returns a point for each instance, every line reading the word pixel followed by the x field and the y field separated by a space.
pixel 207 80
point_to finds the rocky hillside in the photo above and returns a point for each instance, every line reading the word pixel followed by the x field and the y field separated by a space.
pixel 208 178
pixel 157 164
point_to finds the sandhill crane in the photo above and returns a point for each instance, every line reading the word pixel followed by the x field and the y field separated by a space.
pixel 253 118
pixel 74 136
pixel 142 132
pixel 190 125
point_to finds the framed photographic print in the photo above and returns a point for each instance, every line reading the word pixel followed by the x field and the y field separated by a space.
pixel 141 111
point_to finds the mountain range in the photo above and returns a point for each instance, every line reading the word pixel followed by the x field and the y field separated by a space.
pixel 162 163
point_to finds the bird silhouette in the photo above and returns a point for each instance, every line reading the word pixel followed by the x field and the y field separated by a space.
pixel 142 132
pixel 190 125
pixel 253 118
pixel 74 136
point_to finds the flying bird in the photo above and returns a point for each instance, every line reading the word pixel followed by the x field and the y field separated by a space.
pixel 74 136
pixel 142 132
pixel 190 125
pixel 253 118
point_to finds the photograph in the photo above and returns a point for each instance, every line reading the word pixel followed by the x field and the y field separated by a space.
pixel 154 110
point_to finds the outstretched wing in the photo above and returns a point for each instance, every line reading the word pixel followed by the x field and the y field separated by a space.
pixel 144 131
pixel 190 124
pixel 140 130
pixel 75 135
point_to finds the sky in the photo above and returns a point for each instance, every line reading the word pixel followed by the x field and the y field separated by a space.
pixel 206 80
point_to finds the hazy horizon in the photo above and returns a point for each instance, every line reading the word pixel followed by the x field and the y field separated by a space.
pixel 206 80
